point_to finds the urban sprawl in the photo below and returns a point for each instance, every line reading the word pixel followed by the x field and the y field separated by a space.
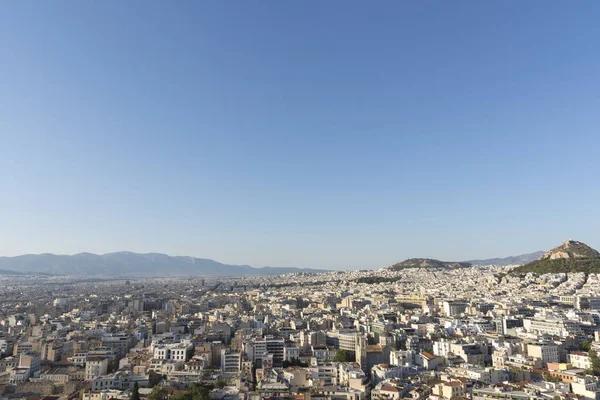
pixel 422 333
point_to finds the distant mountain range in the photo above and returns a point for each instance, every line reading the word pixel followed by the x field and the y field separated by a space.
pixel 432 263
pixel 9 272
pixel 570 256
pixel 427 263
pixel 514 260
pixel 131 264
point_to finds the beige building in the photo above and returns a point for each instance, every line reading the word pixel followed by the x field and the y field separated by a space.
pixel 547 353
pixel 95 367
pixel 450 390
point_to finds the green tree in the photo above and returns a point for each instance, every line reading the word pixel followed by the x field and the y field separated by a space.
pixel 220 384
pixel 344 356
pixel 196 392
pixel 595 361
pixel 294 362
pixel 135 393
pixel 550 378
pixel 182 396
pixel 158 393
pixel 199 392
pixel 340 356
pixel 586 345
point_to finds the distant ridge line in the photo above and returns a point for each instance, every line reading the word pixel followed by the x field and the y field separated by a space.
pixel 512 260
pixel 127 263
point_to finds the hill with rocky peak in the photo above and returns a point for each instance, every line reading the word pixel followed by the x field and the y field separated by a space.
pixel 427 263
pixel 570 256
pixel 571 249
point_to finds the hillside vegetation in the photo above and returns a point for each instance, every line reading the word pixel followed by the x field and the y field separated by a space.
pixel 427 263
pixel 570 256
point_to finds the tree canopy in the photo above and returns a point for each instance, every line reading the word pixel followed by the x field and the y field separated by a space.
pixel 344 356
pixel 586 345
pixel 196 392
pixel 158 393
pixel 595 361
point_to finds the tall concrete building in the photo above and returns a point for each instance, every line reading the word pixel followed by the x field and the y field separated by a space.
pixel 231 361
pixel 95 367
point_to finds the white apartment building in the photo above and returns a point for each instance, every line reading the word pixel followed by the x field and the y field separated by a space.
pixel 382 372
pixel 580 360
pixel 402 357
pixel 349 373
pixel 95 367
pixel 454 307
pixel 343 340
pixel 291 352
pixel 19 375
pixel 119 380
pixel 325 373
pixel 173 352
pixel 554 327
pixel 489 376
pixel 166 367
pixel 322 353
pixel 230 361
pixel 256 348
pixel 78 359
pixel 6 347
pixel 441 347
pixel 588 387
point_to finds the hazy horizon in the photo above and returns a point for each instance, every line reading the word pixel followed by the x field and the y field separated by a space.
pixel 262 266
pixel 301 134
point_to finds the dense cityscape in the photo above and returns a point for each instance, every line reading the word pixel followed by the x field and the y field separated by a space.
pixel 299 200
pixel 477 332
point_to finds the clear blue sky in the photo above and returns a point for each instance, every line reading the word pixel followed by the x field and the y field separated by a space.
pixel 331 134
